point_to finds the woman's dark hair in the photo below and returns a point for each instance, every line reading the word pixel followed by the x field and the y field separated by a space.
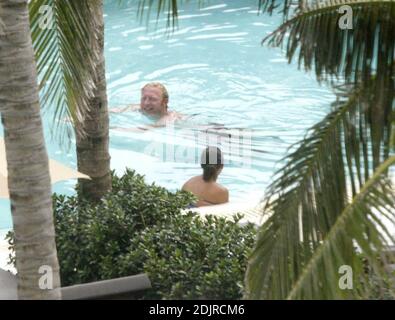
pixel 211 161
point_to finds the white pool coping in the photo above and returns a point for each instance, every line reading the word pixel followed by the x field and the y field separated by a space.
pixel 252 211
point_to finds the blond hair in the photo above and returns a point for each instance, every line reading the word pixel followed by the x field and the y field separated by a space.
pixel 165 94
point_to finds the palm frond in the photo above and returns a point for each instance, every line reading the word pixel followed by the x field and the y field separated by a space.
pixel 360 221
pixel 169 7
pixel 66 61
pixel 356 54
pixel 326 179
pixel 287 6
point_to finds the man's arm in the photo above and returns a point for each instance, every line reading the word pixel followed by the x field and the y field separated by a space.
pixel 141 128
pixel 159 124
pixel 134 129
pixel 130 107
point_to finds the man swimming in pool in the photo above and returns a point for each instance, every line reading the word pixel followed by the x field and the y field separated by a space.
pixel 154 104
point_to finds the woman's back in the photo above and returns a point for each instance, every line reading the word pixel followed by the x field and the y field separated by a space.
pixel 208 193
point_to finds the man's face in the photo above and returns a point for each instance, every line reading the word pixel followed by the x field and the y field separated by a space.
pixel 152 101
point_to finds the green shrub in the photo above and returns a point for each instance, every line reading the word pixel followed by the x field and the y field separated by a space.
pixel 139 228
pixel 189 257
pixel 90 237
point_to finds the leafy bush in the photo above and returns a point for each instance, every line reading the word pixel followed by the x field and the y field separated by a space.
pixel 188 257
pixel 140 228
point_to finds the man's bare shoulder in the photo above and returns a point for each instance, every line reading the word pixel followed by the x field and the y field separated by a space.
pixel 176 115
pixel 134 107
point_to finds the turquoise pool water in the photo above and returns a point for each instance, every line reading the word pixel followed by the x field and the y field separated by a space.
pixel 218 75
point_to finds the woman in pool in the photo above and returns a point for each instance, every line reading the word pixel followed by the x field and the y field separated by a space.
pixel 205 187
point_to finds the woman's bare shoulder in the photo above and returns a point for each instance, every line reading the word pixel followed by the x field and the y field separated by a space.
pixel 220 187
pixel 189 183
pixel 221 194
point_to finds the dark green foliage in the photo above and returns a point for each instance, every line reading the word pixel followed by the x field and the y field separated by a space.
pixel 140 228
pixel 192 258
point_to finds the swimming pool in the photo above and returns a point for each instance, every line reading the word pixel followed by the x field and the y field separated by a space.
pixel 218 75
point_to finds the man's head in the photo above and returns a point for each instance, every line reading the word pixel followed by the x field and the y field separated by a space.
pixel 154 99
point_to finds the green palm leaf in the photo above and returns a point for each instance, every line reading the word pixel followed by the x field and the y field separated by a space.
pixel 65 58
pixel 288 6
pixel 170 7
pixel 358 221
pixel 327 198
pixel 355 54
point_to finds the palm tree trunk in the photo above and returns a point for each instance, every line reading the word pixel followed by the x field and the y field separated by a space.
pixel 27 159
pixel 93 146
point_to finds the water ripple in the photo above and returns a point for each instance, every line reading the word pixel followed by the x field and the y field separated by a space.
pixel 218 35
pixel 161 72
pixel 214 7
